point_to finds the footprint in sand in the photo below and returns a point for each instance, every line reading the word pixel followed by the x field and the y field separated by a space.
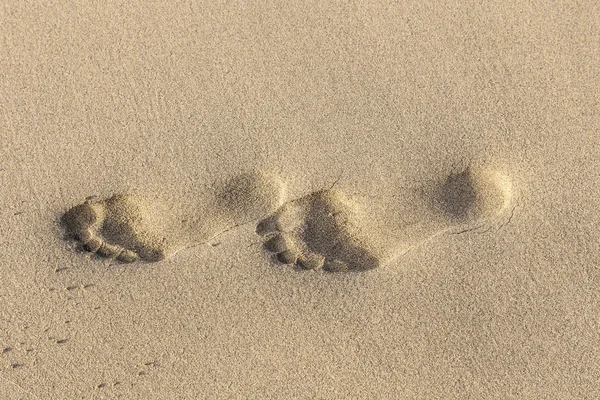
pixel 330 230
pixel 130 227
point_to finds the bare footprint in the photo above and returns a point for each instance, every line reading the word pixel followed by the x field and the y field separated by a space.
pixel 130 227
pixel 330 230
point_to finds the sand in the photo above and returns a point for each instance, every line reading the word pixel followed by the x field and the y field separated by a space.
pixel 308 200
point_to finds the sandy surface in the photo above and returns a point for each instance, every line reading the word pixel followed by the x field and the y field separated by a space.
pixel 167 98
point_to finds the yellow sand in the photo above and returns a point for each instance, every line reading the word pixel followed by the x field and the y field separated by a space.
pixel 370 99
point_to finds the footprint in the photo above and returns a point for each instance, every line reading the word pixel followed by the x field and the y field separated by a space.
pixel 129 227
pixel 330 230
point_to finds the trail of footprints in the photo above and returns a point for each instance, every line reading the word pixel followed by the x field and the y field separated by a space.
pixel 326 229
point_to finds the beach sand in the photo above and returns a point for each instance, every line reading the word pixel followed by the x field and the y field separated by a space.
pixel 299 200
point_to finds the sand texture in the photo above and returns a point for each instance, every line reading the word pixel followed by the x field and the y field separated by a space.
pixel 300 200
